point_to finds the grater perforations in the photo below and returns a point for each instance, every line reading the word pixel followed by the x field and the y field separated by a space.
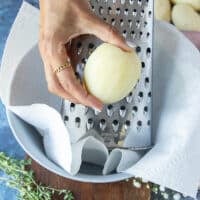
pixel 134 20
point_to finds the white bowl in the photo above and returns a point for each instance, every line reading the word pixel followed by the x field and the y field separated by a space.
pixel 31 141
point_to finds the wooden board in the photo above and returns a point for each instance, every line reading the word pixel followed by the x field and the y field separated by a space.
pixel 91 191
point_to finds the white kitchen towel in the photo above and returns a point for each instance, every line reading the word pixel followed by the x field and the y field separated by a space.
pixel 56 138
pixel 174 162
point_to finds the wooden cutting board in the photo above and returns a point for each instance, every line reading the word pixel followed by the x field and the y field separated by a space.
pixel 91 191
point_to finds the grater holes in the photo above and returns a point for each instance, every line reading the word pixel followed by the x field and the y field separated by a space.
pixel 149 94
pixel 130 22
pixel 146 109
pixel 102 121
pixel 139 2
pixel 148 34
pixel 148 51
pixel 83 61
pixel 137 23
pixel 133 34
pixel 72 107
pixel 138 49
pixel 142 13
pixel 113 21
pixel 109 110
pixel 124 33
pixel 101 10
pixel 105 19
pixel 66 118
pixel 127 124
pixel 140 34
pixel 139 123
pixel 115 122
pixel 118 11
pixel 145 24
pixel 149 13
pixel 123 107
pixel 143 65
pixel 148 122
pixel 121 22
pixel 110 106
pixel 122 111
pixel 131 1
pixel 134 12
pixel 140 96
pixel 135 108
pixel 92 7
pixel 77 122
pixel 129 98
pixel 90 123
pixel 115 125
pixel 147 80
pixel 109 10
pixel 126 11
pixel 102 124
pixel 90 46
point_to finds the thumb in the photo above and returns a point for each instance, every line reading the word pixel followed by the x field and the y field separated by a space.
pixel 107 33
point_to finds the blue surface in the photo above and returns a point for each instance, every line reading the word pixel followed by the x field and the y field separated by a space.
pixel 8 144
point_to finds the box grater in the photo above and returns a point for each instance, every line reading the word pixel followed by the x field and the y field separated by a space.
pixel 131 115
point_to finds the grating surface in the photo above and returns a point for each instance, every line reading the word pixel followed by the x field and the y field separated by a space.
pixel 134 20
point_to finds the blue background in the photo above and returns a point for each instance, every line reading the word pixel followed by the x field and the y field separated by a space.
pixel 8 144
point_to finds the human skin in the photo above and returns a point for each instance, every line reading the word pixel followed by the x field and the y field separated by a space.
pixel 60 21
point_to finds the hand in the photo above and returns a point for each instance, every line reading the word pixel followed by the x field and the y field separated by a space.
pixel 60 21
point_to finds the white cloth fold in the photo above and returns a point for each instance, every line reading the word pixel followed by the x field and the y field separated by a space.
pixel 174 162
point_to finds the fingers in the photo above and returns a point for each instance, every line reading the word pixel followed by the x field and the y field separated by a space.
pixel 65 83
pixel 70 83
pixel 54 86
pixel 107 33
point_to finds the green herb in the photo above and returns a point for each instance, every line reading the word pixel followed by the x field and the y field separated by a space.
pixel 23 180
pixel 157 192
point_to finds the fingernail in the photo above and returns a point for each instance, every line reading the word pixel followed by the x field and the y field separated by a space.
pixel 97 109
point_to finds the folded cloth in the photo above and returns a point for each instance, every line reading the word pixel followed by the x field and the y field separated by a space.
pixel 174 161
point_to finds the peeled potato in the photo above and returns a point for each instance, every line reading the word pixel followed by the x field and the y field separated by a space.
pixel 194 3
pixel 185 18
pixel 163 10
pixel 111 73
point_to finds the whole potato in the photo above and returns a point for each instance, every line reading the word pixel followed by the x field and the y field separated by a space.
pixel 185 18
pixel 162 10
pixel 111 73
pixel 194 3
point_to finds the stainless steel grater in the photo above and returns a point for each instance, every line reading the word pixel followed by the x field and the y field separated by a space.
pixel 134 19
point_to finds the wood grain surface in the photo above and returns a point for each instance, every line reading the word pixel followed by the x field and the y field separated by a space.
pixel 122 190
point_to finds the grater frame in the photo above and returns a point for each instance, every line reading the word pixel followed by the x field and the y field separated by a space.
pixel 132 115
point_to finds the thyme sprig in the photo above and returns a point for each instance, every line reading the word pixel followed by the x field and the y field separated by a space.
pixel 23 180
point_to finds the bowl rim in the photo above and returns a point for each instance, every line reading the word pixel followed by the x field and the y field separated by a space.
pixel 79 176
